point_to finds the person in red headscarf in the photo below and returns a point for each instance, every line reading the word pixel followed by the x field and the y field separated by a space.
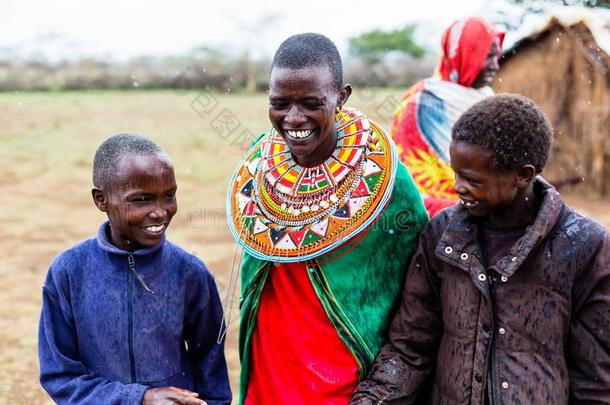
pixel 424 118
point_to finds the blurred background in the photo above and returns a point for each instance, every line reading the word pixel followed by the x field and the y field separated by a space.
pixel 70 45
pixel 193 75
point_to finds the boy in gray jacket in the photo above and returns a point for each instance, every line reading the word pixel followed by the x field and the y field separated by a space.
pixel 507 299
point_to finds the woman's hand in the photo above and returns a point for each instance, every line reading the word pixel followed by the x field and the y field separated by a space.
pixel 171 395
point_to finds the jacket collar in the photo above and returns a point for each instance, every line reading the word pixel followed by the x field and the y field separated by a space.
pixel 459 241
pixel 106 245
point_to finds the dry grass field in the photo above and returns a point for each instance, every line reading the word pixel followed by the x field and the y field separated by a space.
pixel 47 141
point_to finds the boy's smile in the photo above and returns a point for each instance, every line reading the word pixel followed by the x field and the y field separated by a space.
pixel 302 105
pixel 140 202
pixel 505 197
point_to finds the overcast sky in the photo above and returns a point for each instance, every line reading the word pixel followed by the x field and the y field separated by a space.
pixel 124 29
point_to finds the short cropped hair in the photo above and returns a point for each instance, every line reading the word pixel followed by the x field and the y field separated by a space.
pixel 112 150
pixel 512 127
pixel 310 49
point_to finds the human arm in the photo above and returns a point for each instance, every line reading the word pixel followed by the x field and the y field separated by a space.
pixel 203 322
pixel 62 373
pixel 403 364
pixel 588 351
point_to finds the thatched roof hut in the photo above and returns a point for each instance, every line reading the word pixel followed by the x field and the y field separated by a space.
pixel 564 66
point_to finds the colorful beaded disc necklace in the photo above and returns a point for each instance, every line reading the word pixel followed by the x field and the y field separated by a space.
pixel 281 211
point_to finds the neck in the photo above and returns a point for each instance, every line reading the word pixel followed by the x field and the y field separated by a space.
pixel 320 154
pixel 522 211
pixel 115 239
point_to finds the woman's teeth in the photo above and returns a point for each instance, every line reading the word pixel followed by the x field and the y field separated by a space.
pixel 299 134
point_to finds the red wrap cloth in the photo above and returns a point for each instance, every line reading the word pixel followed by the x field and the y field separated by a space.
pixel 297 355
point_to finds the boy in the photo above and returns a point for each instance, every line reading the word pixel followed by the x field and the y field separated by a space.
pixel 507 299
pixel 127 317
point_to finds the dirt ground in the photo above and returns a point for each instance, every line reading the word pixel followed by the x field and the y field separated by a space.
pixel 47 144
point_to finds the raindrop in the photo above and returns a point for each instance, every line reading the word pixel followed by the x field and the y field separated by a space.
pixel 136 84
pixel 500 79
pixel 557 39
pixel 204 70
pixel 19 103
pixel 589 102
pixel 228 90
pixel 230 79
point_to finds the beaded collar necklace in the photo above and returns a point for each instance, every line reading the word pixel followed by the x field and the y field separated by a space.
pixel 293 195
pixel 282 211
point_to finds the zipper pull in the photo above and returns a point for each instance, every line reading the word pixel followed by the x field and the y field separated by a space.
pixel 132 268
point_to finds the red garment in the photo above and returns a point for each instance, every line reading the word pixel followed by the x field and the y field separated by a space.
pixel 297 355
pixel 465 45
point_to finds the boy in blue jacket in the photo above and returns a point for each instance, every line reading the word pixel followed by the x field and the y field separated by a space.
pixel 128 317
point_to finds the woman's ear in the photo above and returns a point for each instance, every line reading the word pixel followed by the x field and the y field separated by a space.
pixel 100 199
pixel 525 175
pixel 344 94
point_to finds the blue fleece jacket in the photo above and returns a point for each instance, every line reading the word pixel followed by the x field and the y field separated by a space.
pixel 105 339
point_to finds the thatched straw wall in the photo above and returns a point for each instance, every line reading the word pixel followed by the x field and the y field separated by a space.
pixel 564 71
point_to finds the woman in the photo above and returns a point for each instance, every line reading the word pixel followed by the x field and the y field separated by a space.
pixel 328 219
pixel 424 118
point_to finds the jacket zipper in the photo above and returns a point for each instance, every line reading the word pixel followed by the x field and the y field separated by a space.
pixel 132 362
pixel 491 352
pixel 492 366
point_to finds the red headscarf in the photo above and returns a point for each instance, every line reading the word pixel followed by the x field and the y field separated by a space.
pixel 465 45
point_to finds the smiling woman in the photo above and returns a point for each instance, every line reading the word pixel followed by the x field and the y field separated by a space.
pixel 328 219
pixel 422 124
pixel 301 109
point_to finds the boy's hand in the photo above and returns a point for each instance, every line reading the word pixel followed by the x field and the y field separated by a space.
pixel 171 395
